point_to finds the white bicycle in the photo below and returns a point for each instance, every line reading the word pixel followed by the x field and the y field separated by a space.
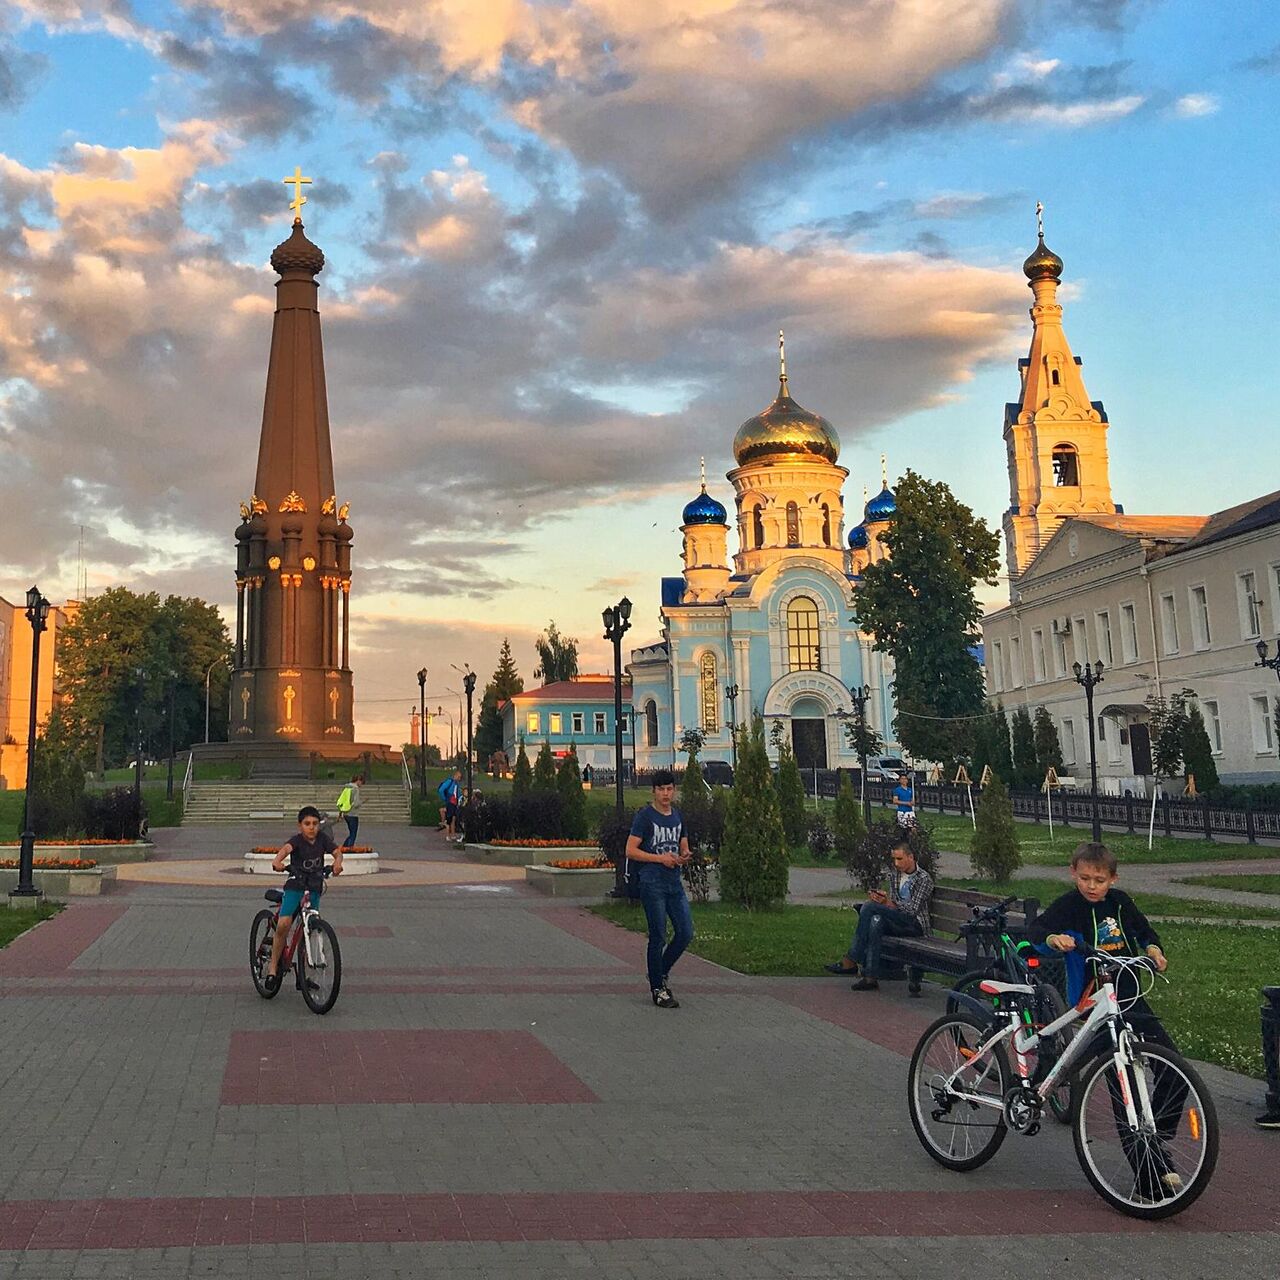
pixel 1145 1127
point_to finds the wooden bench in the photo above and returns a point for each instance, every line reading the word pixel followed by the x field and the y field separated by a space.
pixel 946 950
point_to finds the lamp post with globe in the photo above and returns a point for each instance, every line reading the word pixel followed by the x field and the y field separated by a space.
pixel 38 615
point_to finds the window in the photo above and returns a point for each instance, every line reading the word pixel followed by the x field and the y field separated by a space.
pixel 577 722
pixel 1169 624
pixel 826 525
pixel 1260 709
pixel 1213 723
pixel 1275 596
pixel 997 667
pixel 1250 613
pixel 1102 624
pixel 1037 656
pixel 1200 634
pixel 1112 743
pixel 793 525
pixel 1055 378
pixel 597 721
pixel 1079 641
pixel 1059 652
pixel 709 693
pixel 623 720
pixel 1015 662
pixel 1066 466
pixel 1068 742
pixel 651 722
pixel 532 722
pixel 1128 633
pixel 803 651
pixel 557 722
pixel 757 527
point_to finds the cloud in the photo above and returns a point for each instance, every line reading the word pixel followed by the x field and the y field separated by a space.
pixel 1077 115
pixel 1191 105
pixel 1268 62
pixel 19 72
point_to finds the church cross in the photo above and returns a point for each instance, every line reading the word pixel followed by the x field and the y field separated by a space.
pixel 299 199
pixel 1040 219
pixel 244 704
pixel 289 694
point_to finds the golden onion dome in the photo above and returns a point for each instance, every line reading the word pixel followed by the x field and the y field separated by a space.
pixel 1043 263
pixel 785 430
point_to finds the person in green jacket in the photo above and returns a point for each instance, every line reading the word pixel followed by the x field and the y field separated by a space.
pixel 349 807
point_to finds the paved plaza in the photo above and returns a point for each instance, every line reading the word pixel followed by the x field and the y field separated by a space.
pixel 494 1095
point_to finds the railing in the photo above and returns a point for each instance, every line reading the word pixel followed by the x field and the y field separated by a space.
pixel 406 780
pixel 187 779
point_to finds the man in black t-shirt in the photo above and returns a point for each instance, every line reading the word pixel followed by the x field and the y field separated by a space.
pixel 659 846
pixel 304 853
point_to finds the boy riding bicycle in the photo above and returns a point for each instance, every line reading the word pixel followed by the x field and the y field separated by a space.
pixel 305 854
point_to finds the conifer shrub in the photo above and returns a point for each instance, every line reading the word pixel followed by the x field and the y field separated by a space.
pixel 791 799
pixel 573 800
pixel 993 849
pixel 522 775
pixel 753 859
pixel 544 769
pixel 848 827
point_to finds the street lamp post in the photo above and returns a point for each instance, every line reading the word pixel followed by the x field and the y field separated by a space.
pixel 1264 661
pixel 207 676
pixel 37 614
pixel 860 698
pixel 469 684
pixel 731 692
pixel 141 676
pixel 617 622
pixel 1089 677
pixel 173 698
pixel 422 732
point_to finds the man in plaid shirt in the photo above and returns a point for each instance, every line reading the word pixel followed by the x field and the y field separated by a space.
pixel 903 912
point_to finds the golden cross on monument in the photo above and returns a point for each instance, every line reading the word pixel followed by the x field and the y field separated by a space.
pixel 333 702
pixel 1040 219
pixel 782 353
pixel 244 703
pixel 299 199
pixel 289 694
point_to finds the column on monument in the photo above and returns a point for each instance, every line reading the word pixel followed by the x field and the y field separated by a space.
pixel 259 607
pixel 324 621
pixel 238 661
pixel 346 624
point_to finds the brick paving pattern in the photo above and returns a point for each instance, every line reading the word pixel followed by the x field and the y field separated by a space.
pixel 495 1096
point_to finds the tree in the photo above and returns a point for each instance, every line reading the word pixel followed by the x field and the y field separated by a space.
pixel 506 682
pixel 1048 746
pixel 57 792
pixel 921 606
pixel 544 769
pixel 1197 751
pixel 791 799
pixel 1024 750
pixel 753 859
pixel 522 774
pixel 1167 725
pixel 993 849
pixel 573 800
pixel 847 825
pixel 982 745
pixel 557 656
pixel 1002 759
pixel 695 796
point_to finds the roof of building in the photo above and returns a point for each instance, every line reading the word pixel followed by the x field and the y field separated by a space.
pixel 588 688
pixel 704 509
pixel 1257 513
pixel 1157 528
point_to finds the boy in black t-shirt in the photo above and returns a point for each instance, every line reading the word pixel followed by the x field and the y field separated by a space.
pixel 304 853
pixel 659 846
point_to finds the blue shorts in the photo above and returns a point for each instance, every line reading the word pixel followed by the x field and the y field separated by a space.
pixel 292 900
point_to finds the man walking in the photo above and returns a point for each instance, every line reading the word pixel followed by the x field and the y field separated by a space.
pixel 659 846
pixel 450 793
pixel 349 807
pixel 904 801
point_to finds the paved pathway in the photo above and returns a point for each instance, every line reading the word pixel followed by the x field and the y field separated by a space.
pixel 494 1096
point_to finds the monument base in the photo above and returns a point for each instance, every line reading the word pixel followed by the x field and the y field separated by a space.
pixel 353 864
pixel 294 757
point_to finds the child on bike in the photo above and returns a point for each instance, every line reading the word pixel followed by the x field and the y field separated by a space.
pixel 1097 914
pixel 305 854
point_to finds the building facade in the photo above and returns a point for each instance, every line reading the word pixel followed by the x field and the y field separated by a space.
pixel 577 713
pixel 15 684
pixel 1165 603
pixel 771 630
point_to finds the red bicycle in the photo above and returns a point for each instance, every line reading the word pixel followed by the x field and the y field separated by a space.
pixel 311 948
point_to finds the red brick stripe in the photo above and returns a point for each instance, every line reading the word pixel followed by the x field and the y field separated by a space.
pixel 55 945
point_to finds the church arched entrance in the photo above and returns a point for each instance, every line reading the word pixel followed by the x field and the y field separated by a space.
pixel 809 733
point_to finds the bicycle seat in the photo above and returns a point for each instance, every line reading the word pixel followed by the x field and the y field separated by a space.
pixel 274 895
pixel 992 988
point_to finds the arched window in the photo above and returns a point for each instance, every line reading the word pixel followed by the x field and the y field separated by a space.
pixel 803 646
pixel 651 723
pixel 1055 378
pixel 709 693
pixel 757 527
pixel 826 525
pixel 1066 465
pixel 793 525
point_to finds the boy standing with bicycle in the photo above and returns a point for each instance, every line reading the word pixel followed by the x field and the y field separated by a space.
pixel 305 854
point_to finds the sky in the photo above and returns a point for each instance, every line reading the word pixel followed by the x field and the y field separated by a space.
pixel 561 238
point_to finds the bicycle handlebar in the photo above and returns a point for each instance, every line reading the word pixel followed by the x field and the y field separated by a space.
pixel 989 915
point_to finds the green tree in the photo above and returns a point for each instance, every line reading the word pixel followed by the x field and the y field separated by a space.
pixel 1167 725
pixel 557 656
pixel 791 799
pixel 695 796
pixel 57 784
pixel 847 825
pixel 573 800
pixel 1002 757
pixel 506 682
pixel 1048 745
pixel 982 745
pixel 1024 750
pixel 753 859
pixel 522 774
pixel 993 849
pixel 921 606
pixel 544 769
pixel 1197 751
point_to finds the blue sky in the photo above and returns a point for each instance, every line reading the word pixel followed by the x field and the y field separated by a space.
pixel 561 240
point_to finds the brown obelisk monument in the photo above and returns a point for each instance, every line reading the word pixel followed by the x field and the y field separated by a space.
pixel 292 679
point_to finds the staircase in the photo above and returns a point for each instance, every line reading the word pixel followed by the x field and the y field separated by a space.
pixel 281 798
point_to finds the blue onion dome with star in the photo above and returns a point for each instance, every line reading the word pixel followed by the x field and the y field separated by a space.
pixel 858 538
pixel 882 507
pixel 704 509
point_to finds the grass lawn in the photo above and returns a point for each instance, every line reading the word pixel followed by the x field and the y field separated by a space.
pixel 1210 1005
pixel 12 923
pixel 1249 884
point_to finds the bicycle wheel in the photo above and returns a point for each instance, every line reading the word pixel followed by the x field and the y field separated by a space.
pixel 1162 1167
pixel 958 1133
pixel 260 953
pixel 320 966
pixel 967 984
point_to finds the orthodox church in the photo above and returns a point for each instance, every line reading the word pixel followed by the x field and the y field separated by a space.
pixel 770 631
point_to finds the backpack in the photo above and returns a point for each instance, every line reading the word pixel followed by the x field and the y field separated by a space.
pixel 344 800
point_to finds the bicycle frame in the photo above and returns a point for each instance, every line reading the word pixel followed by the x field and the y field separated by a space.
pixel 300 928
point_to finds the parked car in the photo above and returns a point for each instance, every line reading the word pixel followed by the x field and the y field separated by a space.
pixel 885 768
pixel 718 773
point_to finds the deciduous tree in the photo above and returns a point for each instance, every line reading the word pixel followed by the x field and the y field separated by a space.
pixel 557 656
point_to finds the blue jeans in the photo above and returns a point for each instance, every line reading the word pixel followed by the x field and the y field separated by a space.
pixel 353 825
pixel 874 922
pixel 664 899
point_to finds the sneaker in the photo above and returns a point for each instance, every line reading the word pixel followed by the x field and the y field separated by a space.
pixel 664 999
pixel 1269 1120
pixel 864 984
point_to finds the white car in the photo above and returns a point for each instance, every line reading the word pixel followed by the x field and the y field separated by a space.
pixel 885 768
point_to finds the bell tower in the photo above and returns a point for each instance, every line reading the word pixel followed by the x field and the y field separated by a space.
pixel 1055 436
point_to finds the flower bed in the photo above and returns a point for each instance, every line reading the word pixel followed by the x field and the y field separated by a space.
pixel 52 864
pixel 579 864
pixel 60 844
pixel 540 844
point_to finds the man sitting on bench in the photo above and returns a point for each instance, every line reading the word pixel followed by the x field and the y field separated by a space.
pixel 903 912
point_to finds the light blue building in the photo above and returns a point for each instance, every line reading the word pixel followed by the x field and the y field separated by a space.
pixel 577 712
pixel 778 622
